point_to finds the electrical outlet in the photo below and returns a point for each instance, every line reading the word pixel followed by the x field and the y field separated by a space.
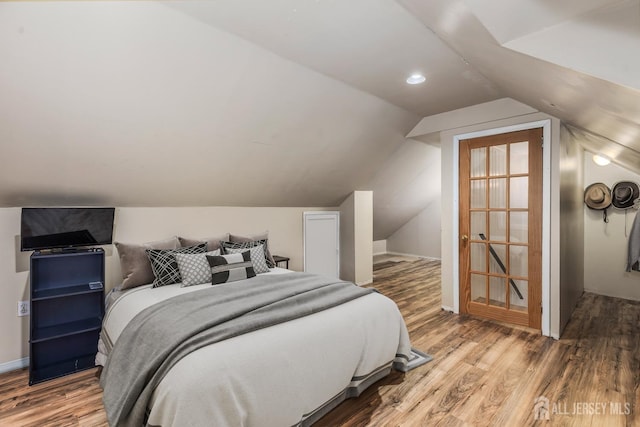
pixel 23 308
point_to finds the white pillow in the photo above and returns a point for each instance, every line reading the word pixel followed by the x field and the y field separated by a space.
pixel 194 268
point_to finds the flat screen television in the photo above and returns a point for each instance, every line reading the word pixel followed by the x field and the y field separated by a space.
pixel 55 228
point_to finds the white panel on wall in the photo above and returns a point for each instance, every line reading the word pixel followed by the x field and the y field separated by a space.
pixel 379 247
pixel 322 243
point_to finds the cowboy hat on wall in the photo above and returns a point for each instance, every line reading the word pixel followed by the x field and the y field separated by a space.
pixel 598 196
pixel 624 194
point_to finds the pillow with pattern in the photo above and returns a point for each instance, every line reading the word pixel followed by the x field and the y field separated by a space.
pixel 165 266
pixel 234 238
pixel 257 257
pixel 247 245
pixel 230 268
pixel 194 268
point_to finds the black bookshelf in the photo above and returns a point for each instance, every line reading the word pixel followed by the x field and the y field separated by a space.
pixel 67 308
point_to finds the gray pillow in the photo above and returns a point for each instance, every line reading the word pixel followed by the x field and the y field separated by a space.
pixel 135 264
pixel 257 257
pixel 253 237
pixel 194 268
pixel 213 243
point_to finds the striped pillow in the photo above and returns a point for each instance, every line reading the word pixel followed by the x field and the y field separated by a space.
pixel 232 267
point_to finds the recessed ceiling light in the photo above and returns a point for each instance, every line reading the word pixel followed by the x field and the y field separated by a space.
pixel 416 78
pixel 601 160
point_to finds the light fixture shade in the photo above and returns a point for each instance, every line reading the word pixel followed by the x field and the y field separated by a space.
pixel 416 78
pixel 601 160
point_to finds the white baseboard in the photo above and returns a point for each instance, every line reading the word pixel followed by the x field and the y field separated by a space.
pixel 380 253
pixel 14 365
pixel 447 308
pixel 365 283
pixel 413 255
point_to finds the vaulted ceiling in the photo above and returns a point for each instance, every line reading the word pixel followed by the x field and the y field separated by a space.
pixel 289 102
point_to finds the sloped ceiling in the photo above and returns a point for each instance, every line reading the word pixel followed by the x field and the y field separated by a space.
pixel 571 59
pixel 371 45
pixel 137 104
pixel 288 102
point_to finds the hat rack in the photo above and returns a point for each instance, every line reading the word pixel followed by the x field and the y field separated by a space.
pixel 624 195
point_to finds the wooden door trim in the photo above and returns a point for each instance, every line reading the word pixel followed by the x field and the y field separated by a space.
pixel 463 221
pixel 535 237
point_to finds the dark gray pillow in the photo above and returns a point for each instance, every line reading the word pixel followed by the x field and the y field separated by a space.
pixel 232 267
pixel 164 264
pixel 213 243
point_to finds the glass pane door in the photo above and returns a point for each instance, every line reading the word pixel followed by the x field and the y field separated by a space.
pixel 497 259
pixel 496 223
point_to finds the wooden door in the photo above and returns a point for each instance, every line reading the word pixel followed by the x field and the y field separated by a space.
pixel 501 227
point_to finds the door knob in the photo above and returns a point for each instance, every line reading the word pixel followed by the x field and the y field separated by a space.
pixel 465 237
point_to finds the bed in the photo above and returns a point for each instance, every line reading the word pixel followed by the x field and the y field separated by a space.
pixel 287 373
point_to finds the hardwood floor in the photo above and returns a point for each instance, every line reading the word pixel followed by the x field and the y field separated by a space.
pixel 483 373
pixel 74 400
pixel 489 374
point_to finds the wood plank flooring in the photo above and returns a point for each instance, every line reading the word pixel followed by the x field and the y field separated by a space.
pixel 489 374
pixel 483 373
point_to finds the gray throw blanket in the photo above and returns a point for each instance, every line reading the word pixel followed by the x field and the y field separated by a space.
pixel 159 336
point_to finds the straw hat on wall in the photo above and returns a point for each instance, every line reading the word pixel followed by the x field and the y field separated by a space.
pixel 597 196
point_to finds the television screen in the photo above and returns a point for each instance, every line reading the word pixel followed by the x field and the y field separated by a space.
pixel 51 228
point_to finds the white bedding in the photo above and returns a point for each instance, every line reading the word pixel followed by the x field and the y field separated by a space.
pixel 274 376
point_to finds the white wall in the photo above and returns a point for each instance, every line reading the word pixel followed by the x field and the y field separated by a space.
pixel 364 237
pixel 347 238
pixel 14 286
pixel 138 225
pixel 404 185
pixel 356 238
pixel 605 245
pixel 572 246
pixel 421 235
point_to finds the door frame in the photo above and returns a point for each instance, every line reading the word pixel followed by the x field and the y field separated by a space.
pixel 546 212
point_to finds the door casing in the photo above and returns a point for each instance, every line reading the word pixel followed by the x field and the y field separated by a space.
pixel 546 212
